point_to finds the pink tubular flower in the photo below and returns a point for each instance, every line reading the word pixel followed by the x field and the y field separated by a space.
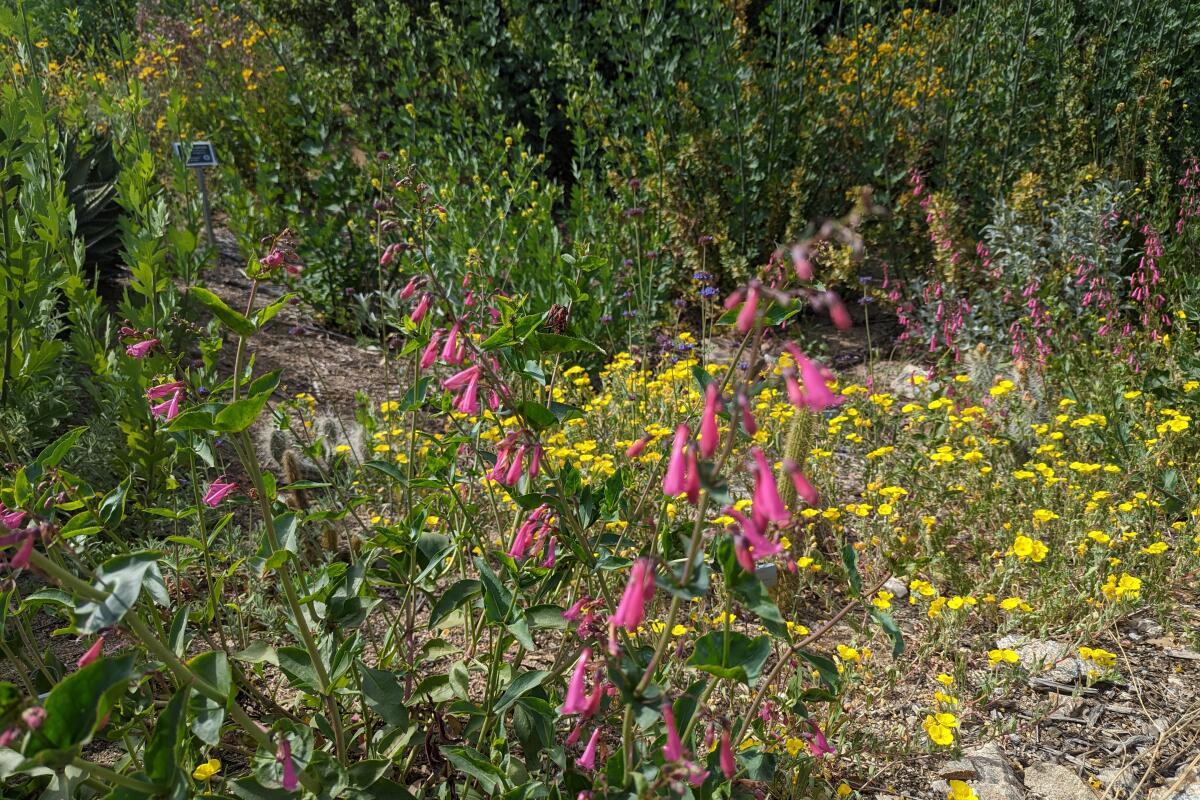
pixel 423 304
pixel 535 461
pixel 576 701
pixel 217 490
pixel 140 349
pixel 462 378
pixel 551 556
pixel 11 519
pixel 802 264
pixel 164 390
pixel 169 408
pixel 33 717
pixel 728 765
pixel 818 745
pixel 806 491
pixel 573 737
pixel 634 450
pixel 283 754
pixel 514 467
pixel 708 424
pixel 742 551
pixel 768 505
pixel 10 735
pixel 632 608
pixel 21 559
pixel 430 353
pixel 451 354
pixel 838 313
pixel 588 759
pixel 762 545
pixel 816 395
pixel 92 654
pixel 410 288
pixel 673 749
pixel 749 425
pixel 675 481
pixel 745 317
pixel 573 613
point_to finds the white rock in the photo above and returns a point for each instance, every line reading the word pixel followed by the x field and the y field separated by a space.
pixel 1056 782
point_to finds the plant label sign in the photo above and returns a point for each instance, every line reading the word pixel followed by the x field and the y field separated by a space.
pixel 199 154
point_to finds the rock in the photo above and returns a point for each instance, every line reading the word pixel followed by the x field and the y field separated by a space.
pixel 768 574
pixel 1184 786
pixel 1045 656
pixel 940 788
pixel 1056 782
pixel 996 780
pixel 1116 779
pixel 897 587
pixel 1143 628
pixel 961 769
pixel 912 376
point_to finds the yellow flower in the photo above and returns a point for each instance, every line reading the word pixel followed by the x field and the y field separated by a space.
pixel 207 770
pixel 678 630
pixel 1099 655
pixel 960 790
pixel 794 745
pixel 883 600
pixel 1155 549
pixel 945 680
pixel 1033 549
pixel 1002 656
pixel 938 733
pixel 847 653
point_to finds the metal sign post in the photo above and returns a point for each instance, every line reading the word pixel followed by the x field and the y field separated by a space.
pixel 200 156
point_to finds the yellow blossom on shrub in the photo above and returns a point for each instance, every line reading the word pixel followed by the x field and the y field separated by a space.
pixel 940 728
pixel 1005 656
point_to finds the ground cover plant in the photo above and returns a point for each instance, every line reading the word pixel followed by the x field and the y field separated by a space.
pixel 701 399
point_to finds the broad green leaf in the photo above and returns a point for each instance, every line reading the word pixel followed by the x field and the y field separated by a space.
pixel 58 449
pixel 162 756
pixel 240 414
pixel 208 715
pixel 384 695
pixel 233 320
pixel 77 704
pixel 523 683
pixel 122 578
pixel 740 659
pixel 475 764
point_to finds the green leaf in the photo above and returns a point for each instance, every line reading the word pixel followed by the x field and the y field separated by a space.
pixel 122 578
pixel 537 415
pixel 825 667
pixel 385 695
pixel 389 469
pixel 268 312
pixel 549 343
pixel 457 594
pixel 76 705
pixel 299 668
pixel 162 757
pixel 208 715
pixel 257 653
pixel 497 599
pixel 112 509
pixel 475 764
pixel 850 559
pixel 57 451
pixel 888 623
pixel 240 414
pixel 233 320
pixel 520 685
pixel 741 659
